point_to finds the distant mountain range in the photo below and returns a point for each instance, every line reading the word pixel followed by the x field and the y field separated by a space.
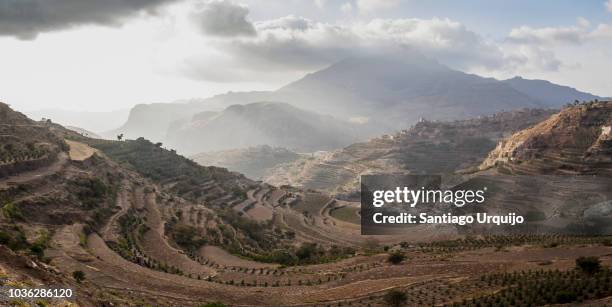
pixel 271 123
pixel 383 93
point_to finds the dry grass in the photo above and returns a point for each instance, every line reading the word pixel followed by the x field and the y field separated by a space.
pixel 80 151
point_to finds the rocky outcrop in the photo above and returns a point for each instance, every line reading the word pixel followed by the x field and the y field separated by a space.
pixel 576 140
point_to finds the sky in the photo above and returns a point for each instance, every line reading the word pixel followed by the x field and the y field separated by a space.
pixel 106 55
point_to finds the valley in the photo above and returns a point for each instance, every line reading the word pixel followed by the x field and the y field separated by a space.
pixel 148 227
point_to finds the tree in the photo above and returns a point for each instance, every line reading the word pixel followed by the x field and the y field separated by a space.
pixel 79 276
pixel 396 257
pixel 588 265
pixel 37 250
pixel 395 298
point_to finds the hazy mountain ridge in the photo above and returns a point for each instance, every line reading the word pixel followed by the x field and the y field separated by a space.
pixel 261 123
pixel 552 95
pixel 166 115
pixel 390 92
pixel 386 89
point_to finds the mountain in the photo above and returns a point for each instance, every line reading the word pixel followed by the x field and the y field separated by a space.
pixel 129 223
pixel 557 173
pixel 163 115
pixel 253 162
pixel 577 140
pixel 429 147
pixel 389 91
pixel 398 90
pixel 261 123
pixel 92 121
pixel 550 94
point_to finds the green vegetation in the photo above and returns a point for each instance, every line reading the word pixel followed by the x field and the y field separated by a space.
pixel 41 243
pixel 79 276
pixel 12 212
pixel 347 214
pixel 187 237
pixel 91 191
pixel 535 288
pixel 160 164
pixel 215 304
pixel 501 241
pixel 307 253
pixel 14 238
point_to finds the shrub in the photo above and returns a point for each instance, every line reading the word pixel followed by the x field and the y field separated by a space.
pixel 588 264
pixel 12 212
pixel 396 257
pixel 5 238
pixel 79 276
pixel 37 250
pixel 395 298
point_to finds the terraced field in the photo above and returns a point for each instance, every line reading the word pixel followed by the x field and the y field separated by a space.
pixel 147 227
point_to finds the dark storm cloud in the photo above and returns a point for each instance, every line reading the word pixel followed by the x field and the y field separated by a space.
pixel 25 19
pixel 224 18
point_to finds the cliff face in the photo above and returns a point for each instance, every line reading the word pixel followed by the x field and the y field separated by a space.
pixel 576 140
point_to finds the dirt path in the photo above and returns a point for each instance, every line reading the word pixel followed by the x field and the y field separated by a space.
pixel 55 167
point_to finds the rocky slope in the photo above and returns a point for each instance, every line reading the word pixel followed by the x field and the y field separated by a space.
pixel 576 140
pixel 428 147
pixel 133 224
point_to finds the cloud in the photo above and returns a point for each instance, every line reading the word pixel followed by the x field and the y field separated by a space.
pixel 297 44
pixel 548 35
pixel 608 5
pixel 528 58
pixel 533 49
pixel 569 35
pixel 346 7
pixel 366 6
pixel 223 18
pixel 602 31
pixel 25 19
pixel 320 3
